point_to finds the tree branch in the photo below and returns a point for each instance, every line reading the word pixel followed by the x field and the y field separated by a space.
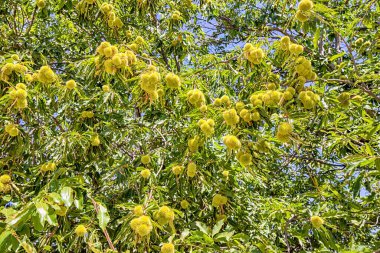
pixel 32 21
pixel 286 234
pixel 319 161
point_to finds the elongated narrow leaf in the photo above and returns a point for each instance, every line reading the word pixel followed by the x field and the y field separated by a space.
pixel 22 216
pixel 4 238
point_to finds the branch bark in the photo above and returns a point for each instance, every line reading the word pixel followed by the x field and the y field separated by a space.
pixel 286 234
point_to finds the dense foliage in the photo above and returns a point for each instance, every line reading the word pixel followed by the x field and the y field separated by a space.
pixel 189 126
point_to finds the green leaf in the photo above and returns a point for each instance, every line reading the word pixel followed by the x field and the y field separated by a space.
pixel 52 217
pixel 36 221
pixel 217 227
pixel 368 23
pixel 355 160
pixel 261 246
pixel 103 216
pixel 184 234
pixel 202 227
pixel 372 131
pixel 42 210
pixel 334 57
pixel 56 197
pixel 4 238
pixel 78 202
pixel 208 239
pixel 95 250
pixel 27 245
pixel 242 237
pixel 22 216
pixel 67 194
pixel 326 238
pixel 324 9
pixel 377 163
pixel 368 161
pixel 224 236
pixel 317 34
pixel 356 185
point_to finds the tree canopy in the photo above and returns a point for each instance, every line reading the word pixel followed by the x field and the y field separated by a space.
pixel 189 126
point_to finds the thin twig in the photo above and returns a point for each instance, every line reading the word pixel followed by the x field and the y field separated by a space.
pixel 319 161
pixel 32 21
pixel 214 64
pixel 58 125
pixel 287 234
